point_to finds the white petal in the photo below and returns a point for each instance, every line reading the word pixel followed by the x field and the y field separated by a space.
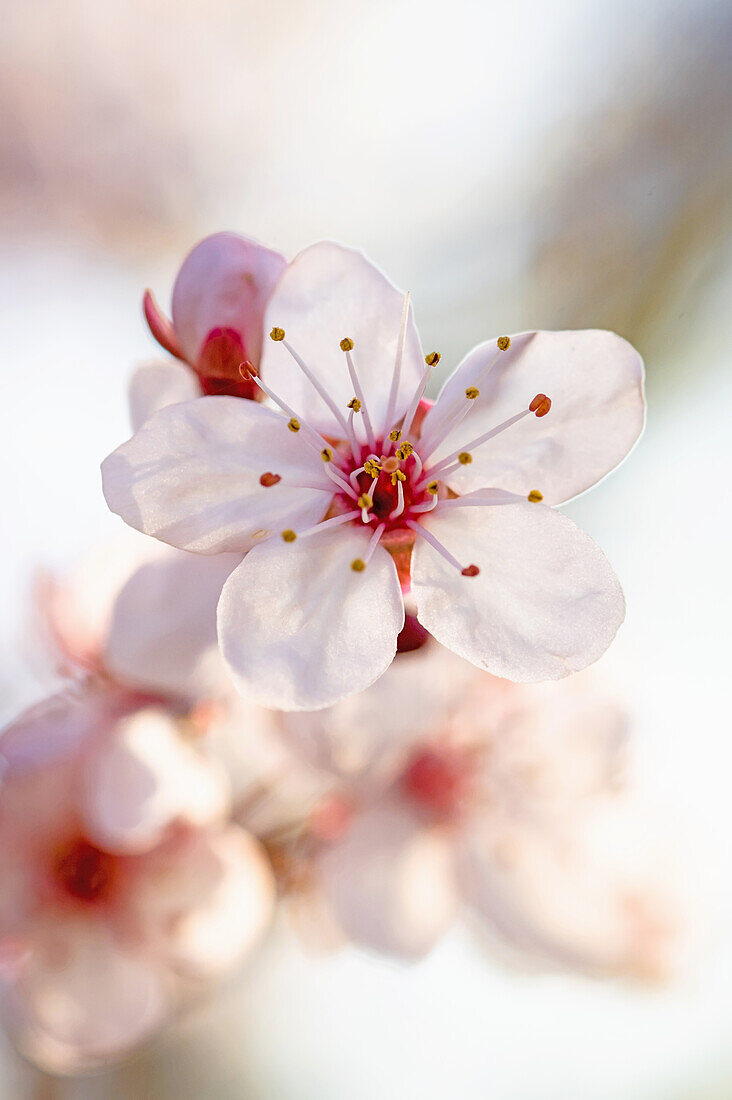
pixel 190 476
pixel 54 729
pixel 326 293
pixel 162 634
pixel 157 384
pixel 595 382
pixel 390 882
pixel 300 629
pixel 145 777
pixel 546 601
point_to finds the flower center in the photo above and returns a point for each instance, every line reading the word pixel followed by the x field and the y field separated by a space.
pixel 437 780
pixel 84 871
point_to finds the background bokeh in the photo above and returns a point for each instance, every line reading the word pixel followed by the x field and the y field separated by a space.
pixel 516 166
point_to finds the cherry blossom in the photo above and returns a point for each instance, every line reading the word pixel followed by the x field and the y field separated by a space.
pixel 509 804
pixel 219 298
pixel 346 488
pixel 125 889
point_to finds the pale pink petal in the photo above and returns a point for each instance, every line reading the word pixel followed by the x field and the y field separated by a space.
pixel 225 922
pixel 225 282
pixel 157 384
pixel 54 729
pixel 300 629
pixel 162 636
pixel 390 882
pixel 595 382
pixel 145 778
pixel 562 901
pixel 82 999
pixel 329 292
pixel 191 476
pixel 545 603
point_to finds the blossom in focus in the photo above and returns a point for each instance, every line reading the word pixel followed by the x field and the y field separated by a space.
pixel 347 489
pixel 124 887
pixel 510 806
pixel 219 298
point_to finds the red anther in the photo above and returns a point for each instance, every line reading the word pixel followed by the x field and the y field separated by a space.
pixel 436 779
pixel 269 479
pixel 161 328
pixel 247 370
pixel 540 405
pixel 470 571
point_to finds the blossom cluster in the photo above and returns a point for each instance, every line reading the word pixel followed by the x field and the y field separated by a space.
pixel 322 694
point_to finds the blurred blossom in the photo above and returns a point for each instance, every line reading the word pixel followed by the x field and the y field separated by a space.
pixel 507 801
pixel 123 886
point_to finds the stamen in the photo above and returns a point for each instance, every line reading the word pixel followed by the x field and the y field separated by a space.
pixel 248 372
pixel 535 496
pixel 427 506
pixel 293 424
pixel 448 463
pixel 404 450
pixel 398 477
pixel 341 482
pixel 394 435
pixel 373 543
pixel 365 501
pixel 326 454
pixel 472 392
pixel 431 360
pixel 267 480
pixel 400 501
pixel 372 467
pixel 540 405
pixel 354 404
pixel 324 524
pixel 358 565
pixel 465 458
pixel 347 346
pixel 317 386
pixel 396 376
pixel 467 570
pixel 439 421
pixel 289 535
pixel 277 334
pixel 433 488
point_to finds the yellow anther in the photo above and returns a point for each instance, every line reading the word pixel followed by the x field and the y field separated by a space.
pixel 394 435
pixel 472 392
pixel 326 454
pixel 277 334
pixel 293 424
pixel 433 488
pixel 432 359
pixel 289 535
pixel 365 501
pixel 346 344
pixel 535 496
pixel 354 404
pixel 504 343
pixel 372 468
pixel 405 450
pixel 398 475
pixel 358 565
pixel 464 458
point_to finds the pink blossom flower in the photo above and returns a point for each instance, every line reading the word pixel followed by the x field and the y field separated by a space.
pixel 350 488
pixel 219 299
pixel 123 886
pixel 511 806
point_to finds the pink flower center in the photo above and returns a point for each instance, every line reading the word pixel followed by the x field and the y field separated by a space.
pixel 85 872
